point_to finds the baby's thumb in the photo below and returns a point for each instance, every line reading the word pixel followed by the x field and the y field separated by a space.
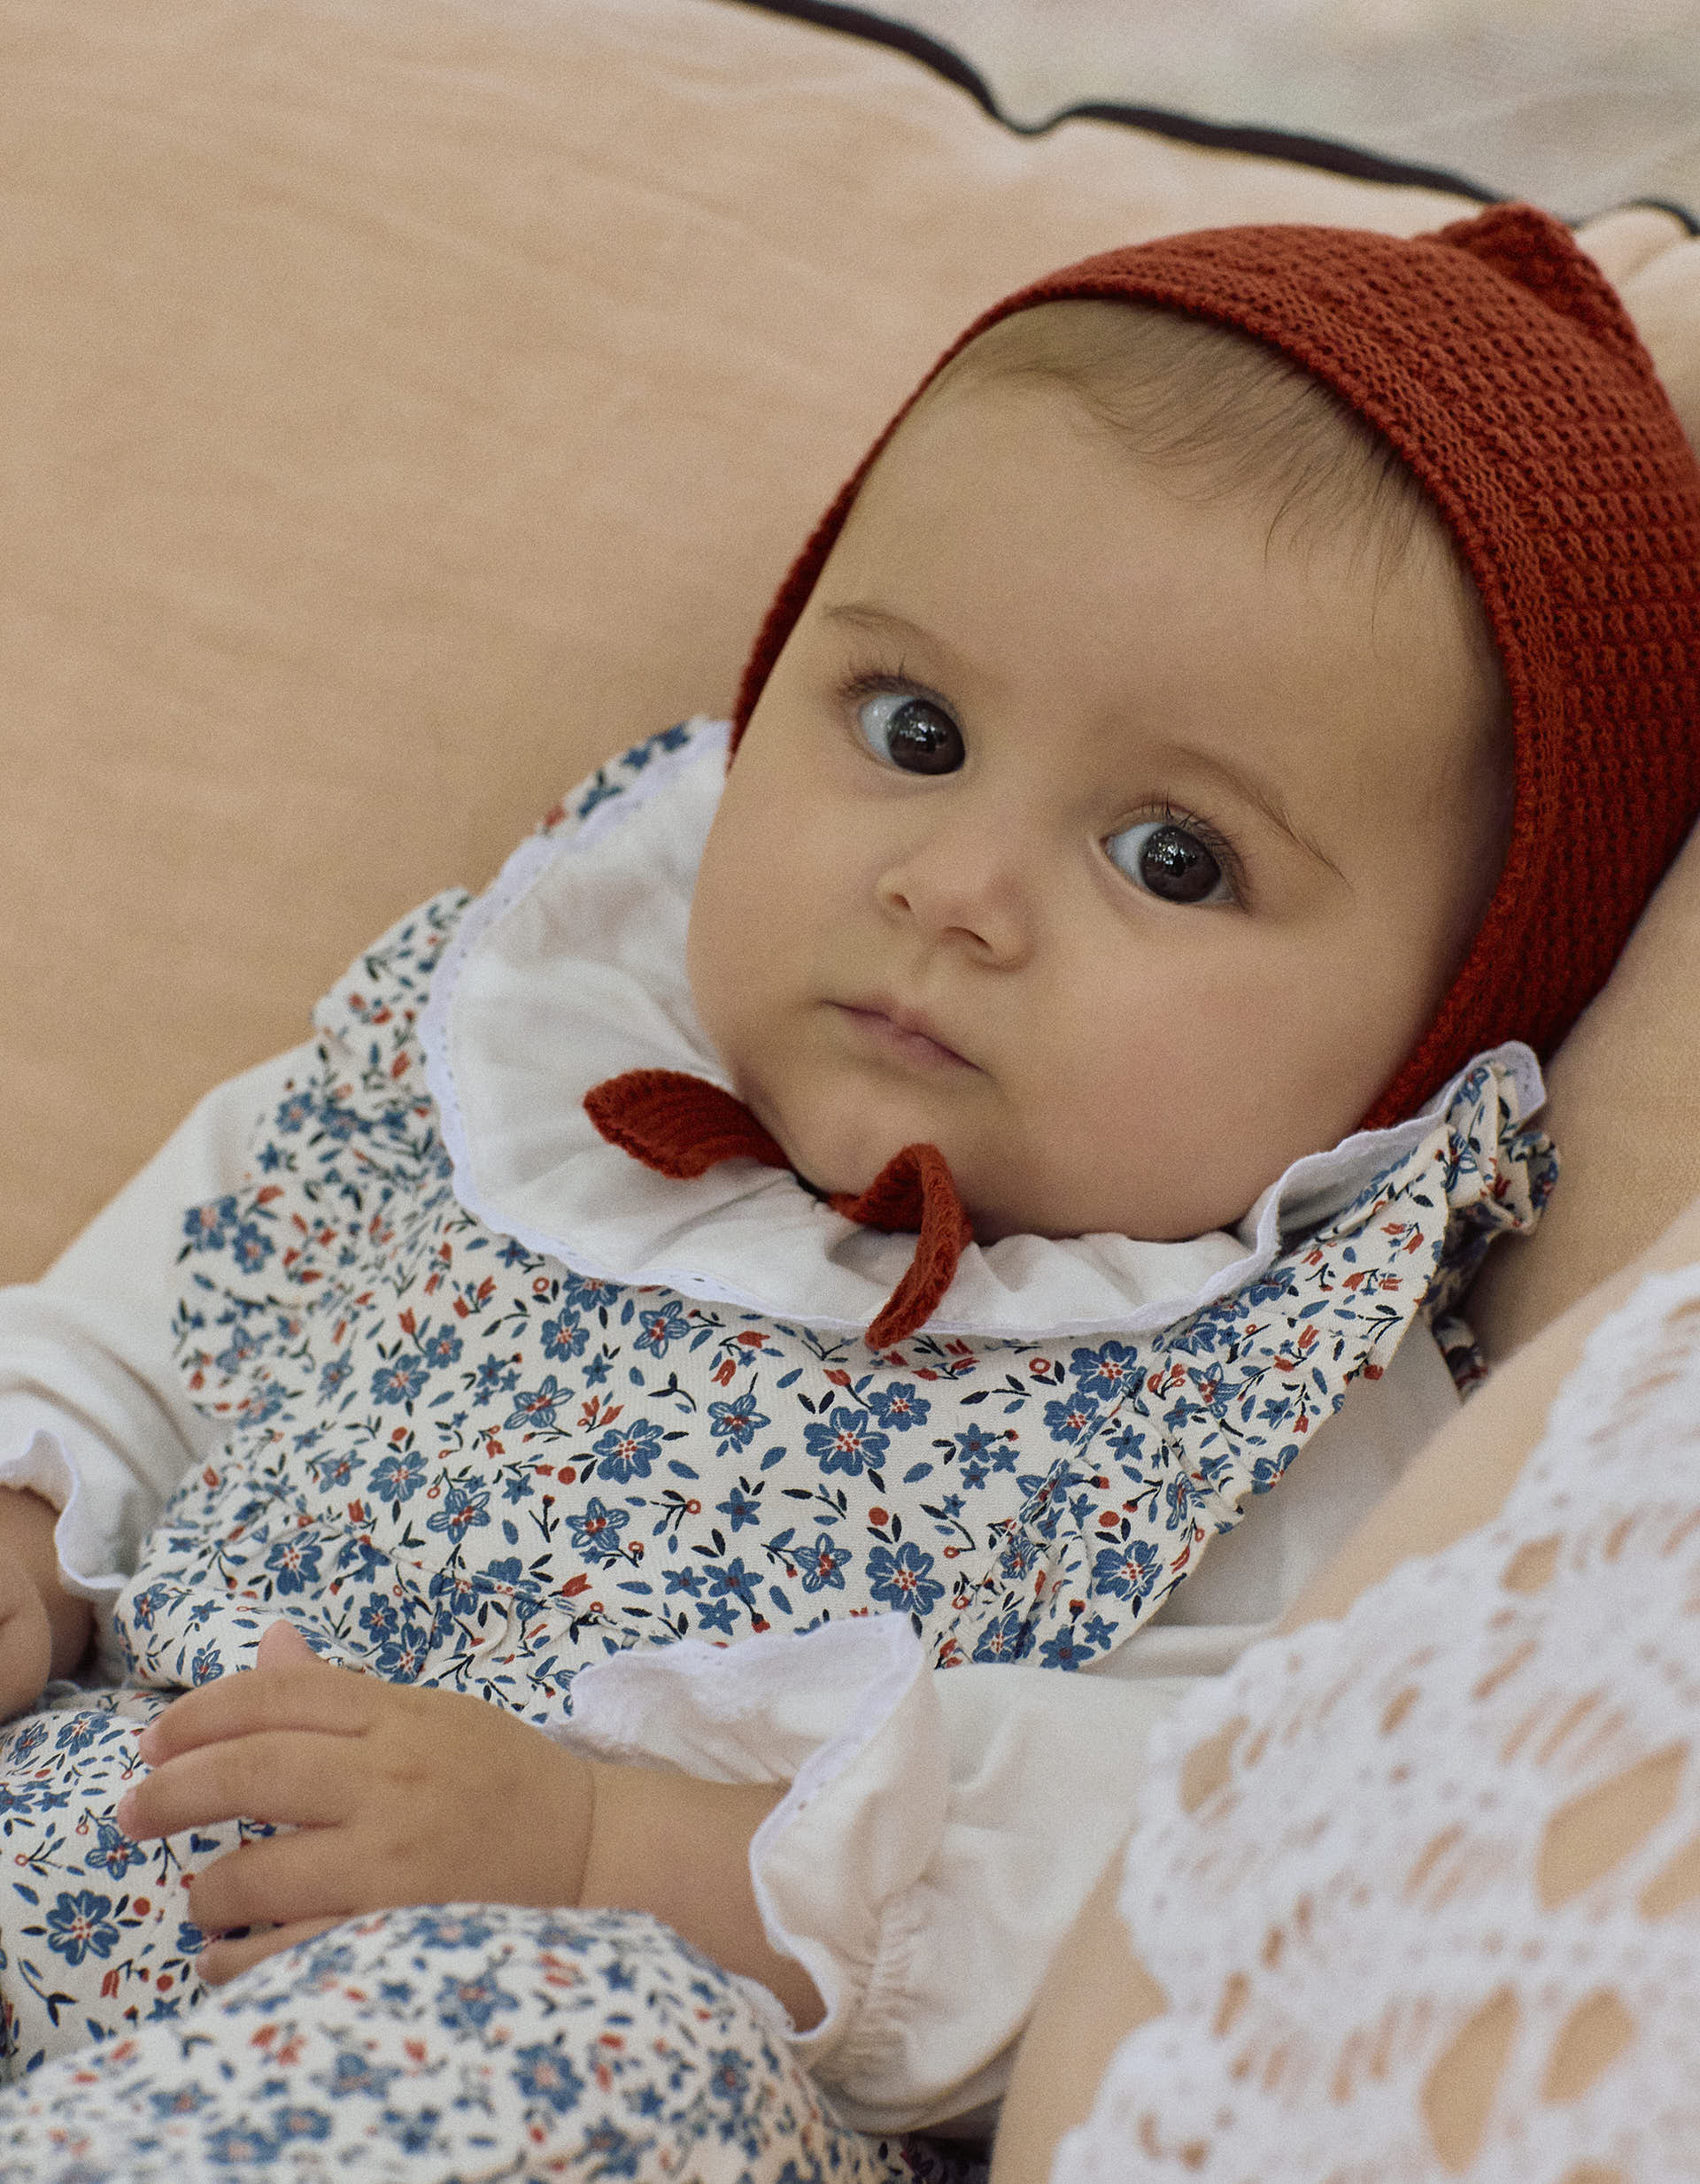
pixel 283 1646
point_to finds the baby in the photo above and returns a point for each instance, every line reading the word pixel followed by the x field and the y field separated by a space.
pixel 1238 710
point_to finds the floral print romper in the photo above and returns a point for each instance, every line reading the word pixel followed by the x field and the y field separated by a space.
pixel 453 1460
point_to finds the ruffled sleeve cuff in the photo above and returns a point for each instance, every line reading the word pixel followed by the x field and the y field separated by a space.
pixel 941 1831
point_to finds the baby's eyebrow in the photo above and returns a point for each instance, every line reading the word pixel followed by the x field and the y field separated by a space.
pixel 880 621
pixel 1265 797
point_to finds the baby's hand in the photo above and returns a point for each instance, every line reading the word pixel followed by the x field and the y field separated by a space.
pixel 43 1631
pixel 397 1797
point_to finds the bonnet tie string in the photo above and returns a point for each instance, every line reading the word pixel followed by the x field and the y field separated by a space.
pixel 682 1126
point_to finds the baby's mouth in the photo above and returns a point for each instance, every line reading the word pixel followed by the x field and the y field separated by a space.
pixel 904 1034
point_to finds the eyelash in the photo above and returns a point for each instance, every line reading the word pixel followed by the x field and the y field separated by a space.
pixel 1227 859
pixel 876 680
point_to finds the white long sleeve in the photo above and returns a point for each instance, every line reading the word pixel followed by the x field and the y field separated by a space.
pixel 93 1411
pixel 943 1828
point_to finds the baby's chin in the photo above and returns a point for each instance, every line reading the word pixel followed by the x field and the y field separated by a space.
pixel 842 1156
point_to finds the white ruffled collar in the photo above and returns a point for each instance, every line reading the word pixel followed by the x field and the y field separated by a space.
pixel 570 968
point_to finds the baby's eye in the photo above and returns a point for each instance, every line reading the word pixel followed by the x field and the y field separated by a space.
pixel 912 733
pixel 1169 860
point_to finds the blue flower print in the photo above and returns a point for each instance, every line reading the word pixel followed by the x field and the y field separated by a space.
pixel 1072 1420
pixel 399 1475
pixel 205 1666
pixel 740 1508
pixel 1123 1439
pixel 588 1293
pixel 293 2124
pixel 737 1423
pixel 441 1348
pixel 728 2074
pixel 1098 1632
pixel 205 1225
pixel 1064 1651
pixel 822 1562
pixel 844 1443
pixel 78 1924
pixel 1178 1500
pixel 687 1580
pixel 398 1382
pixel 249 1248
pixel 598 1526
pixel 292 1113
pixel 495 1376
pixel 981 1446
pixel 1005 1640
pixel 536 1407
pixel 901 1579
pixel 564 1338
pixel 381 1618
pixel 542 2073
pixel 237 1351
pixel 898 1407
pixel 337 1122
pixel 1016 1560
pixel 732 1578
pixel 1110 1372
pixel 114 1854
pixel 662 1324
pixel 336 1374
pixel 716 1615
pixel 238 2146
pixel 265 1403
pixel 358 2074
pixel 178 2101
pixel 1126 1573
pixel 79 1733
pixel 402 1655
pixel 464 1508
pixel 294 1563
pixel 627 1453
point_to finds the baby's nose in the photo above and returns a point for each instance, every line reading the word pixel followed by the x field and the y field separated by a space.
pixel 967 884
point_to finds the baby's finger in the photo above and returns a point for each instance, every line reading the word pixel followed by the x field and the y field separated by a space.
pixel 293 1778
pixel 278 1880
pixel 308 1694
pixel 221 1961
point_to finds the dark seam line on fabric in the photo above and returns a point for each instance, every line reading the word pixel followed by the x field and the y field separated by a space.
pixel 1258 141
pixel 1262 143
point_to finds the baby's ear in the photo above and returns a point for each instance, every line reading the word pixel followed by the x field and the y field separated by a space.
pixel 1535 250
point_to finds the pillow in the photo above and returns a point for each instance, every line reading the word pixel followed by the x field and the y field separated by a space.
pixel 405 407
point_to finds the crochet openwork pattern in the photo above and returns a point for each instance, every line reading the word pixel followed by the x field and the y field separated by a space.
pixel 1390 1952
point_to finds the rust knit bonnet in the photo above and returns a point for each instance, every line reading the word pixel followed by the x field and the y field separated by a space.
pixel 1497 361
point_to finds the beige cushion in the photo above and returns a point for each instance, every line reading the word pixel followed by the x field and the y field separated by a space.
pixel 407 404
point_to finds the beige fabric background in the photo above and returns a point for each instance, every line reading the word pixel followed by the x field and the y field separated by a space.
pixel 405 407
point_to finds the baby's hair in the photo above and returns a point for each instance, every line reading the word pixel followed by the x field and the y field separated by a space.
pixel 1197 398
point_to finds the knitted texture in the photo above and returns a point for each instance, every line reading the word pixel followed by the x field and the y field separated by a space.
pixel 682 1126
pixel 1498 363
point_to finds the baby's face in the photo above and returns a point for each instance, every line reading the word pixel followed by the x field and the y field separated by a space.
pixel 1089 834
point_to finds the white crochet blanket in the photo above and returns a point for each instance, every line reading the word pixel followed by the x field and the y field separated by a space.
pixel 1383 1879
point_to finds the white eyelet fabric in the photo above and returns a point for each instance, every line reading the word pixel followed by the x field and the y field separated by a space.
pixel 1372 1888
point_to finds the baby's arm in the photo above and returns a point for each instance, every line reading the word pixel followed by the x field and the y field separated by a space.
pixel 97 1427
pixel 397 1796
